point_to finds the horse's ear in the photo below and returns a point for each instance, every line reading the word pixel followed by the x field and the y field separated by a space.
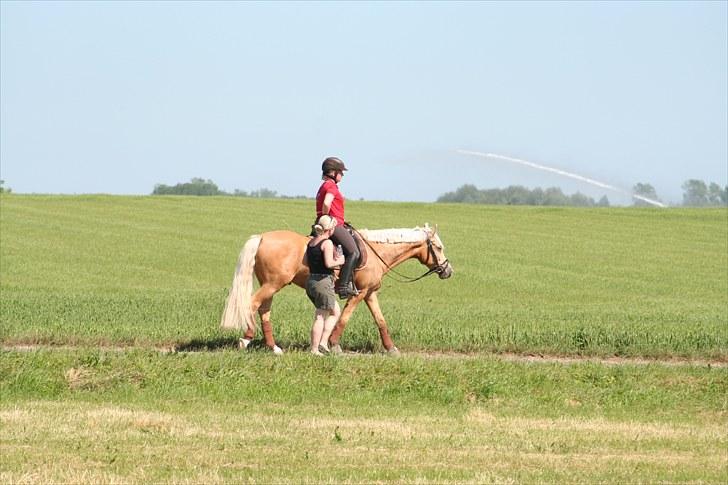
pixel 437 229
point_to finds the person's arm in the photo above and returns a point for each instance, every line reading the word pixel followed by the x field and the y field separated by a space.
pixel 329 259
pixel 326 206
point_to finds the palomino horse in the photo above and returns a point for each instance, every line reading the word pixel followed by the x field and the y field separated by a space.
pixel 276 258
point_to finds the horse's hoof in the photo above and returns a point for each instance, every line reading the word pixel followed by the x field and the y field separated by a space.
pixel 336 349
pixel 243 343
pixel 393 352
pixel 277 350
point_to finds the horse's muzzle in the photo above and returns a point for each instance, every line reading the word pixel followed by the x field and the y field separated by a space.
pixel 446 271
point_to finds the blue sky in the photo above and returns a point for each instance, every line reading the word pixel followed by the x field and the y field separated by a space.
pixel 116 97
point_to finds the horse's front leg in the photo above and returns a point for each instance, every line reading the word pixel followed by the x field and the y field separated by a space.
pixel 373 303
pixel 346 313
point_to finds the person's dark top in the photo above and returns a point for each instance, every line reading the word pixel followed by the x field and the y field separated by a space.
pixel 315 256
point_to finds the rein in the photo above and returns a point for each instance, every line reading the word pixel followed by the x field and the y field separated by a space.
pixel 439 268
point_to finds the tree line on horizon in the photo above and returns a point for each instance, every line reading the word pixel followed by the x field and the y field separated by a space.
pixel 696 193
pixel 519 195
pixel 200 186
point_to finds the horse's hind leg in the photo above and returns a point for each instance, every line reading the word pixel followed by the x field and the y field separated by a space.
pixel 261 302
pixel 247 337
pixel 264 312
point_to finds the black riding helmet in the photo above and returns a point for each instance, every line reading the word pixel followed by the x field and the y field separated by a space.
pixel 333 164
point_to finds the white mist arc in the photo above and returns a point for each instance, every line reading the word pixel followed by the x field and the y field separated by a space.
pixel 562 173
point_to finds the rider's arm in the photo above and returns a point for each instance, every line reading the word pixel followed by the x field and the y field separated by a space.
pixel 326 206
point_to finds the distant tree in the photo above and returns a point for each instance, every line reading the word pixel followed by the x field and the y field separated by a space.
pixel 717 195
pixel 490 196
pixel 537 197
pixel 196 186
pixel 517 195
pixel 3 189
pixel 554 196
pixel 466 194
pixel 603 202
pixel 644 190
pixel 695 193
pixel 264 193
pixel 580 200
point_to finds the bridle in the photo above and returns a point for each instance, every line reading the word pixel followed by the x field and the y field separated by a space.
pixel 439 268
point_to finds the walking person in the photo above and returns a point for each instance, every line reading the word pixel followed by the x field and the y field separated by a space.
pixel 330 201
pixel 322 258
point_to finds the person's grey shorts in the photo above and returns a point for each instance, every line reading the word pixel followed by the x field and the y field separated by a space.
pixel 320 290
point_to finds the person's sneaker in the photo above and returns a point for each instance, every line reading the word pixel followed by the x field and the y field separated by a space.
pixel 316 353
pixel 323 349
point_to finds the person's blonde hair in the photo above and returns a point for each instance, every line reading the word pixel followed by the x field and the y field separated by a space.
pixel 324 224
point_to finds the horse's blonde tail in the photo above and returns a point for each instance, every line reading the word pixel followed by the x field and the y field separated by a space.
pixel 237 307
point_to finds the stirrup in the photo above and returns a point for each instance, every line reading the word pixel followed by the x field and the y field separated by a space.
pixel 347 291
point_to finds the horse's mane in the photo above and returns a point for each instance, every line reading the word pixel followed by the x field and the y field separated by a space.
pixel 403 235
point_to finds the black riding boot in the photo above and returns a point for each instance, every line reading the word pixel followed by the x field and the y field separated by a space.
pixel 346 287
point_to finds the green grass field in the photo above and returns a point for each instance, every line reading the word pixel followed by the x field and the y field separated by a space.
pixel 155 271
pixel 99 283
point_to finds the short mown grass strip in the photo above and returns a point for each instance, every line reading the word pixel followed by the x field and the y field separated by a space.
pixel 89 416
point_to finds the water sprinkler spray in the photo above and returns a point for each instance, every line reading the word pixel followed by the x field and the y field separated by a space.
pixel 562 173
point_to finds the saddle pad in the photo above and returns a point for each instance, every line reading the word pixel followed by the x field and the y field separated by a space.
pixel 363 250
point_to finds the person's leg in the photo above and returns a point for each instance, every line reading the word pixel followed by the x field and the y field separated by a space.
pixel 345 286
pixel 317 330
pixel 329 323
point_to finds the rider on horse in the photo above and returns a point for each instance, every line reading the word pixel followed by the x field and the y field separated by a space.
pixel 330 201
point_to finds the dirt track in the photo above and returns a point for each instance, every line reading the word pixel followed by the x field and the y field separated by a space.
pixel 510 357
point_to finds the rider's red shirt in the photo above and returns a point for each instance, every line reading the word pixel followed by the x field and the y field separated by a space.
pixel 337 205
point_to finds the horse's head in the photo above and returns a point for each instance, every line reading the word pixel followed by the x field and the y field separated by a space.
pixel 435 258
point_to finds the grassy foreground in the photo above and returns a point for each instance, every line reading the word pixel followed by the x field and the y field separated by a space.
pixel 151 271
pixel 92 416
